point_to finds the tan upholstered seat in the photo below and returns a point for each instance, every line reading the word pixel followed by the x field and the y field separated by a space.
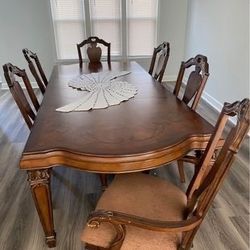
pixel 164 201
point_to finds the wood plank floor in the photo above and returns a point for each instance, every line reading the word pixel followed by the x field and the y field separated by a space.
pixel 75 193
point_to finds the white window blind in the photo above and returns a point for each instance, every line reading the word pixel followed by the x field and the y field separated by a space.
pixel 105 17
pixel 68 17
pixel 142 26
pixel 135 20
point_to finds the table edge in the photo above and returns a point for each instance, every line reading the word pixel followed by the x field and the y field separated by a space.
pixel 110 163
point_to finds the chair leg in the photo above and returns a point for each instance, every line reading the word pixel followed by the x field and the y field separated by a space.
pixel 181 170
pixel 198 155
pixel 91 247
pixel 104 181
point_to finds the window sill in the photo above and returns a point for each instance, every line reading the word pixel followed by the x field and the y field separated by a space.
pixel 113 58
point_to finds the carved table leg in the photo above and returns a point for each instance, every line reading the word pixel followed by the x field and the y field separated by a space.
pixel 181 171
pixel 39 181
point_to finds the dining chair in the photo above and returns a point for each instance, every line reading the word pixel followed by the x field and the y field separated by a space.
pixel 196 80
pixel 41 80
pixel 159 61
pixel 193 89
pixel 139 211
pixel 10 73
pixel 94 53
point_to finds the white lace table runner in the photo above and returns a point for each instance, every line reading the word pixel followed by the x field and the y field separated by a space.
pixel 101 89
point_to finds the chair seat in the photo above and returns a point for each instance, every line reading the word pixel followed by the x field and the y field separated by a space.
pixel 164 201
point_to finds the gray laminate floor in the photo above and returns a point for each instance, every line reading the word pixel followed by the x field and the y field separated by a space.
pixel 75 193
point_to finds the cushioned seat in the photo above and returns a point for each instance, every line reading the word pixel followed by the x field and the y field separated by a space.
pixel 164 201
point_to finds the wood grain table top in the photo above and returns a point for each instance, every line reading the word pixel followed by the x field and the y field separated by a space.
pixel 150 129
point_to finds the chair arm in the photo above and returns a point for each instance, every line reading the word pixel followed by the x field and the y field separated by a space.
pixel 117 218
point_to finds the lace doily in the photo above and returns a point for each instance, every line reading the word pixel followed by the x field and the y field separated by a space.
pixel 101 89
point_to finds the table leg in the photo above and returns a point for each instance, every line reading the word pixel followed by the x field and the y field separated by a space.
pixel 39 181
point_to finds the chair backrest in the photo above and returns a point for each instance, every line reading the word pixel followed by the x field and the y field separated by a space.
pixel 196 81
pixel 41 80
pixel 159 61
pixel 94 52
pixel 10 71
pixel 208 179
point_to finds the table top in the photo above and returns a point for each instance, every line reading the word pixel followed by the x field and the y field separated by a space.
pixel 150 129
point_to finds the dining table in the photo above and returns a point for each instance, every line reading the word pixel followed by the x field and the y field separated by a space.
pixel 147 131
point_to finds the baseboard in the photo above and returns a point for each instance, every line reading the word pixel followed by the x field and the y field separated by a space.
pixel 4 85
pixel 169 78
pixel 212 101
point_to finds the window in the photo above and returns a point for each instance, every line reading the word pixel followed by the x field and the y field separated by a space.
pixel 142 20
pixel 69 22
pixel 105 18
pixel 130 25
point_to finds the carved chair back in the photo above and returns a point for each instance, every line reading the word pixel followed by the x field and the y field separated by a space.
pixel 159 61
pixel 208 179
pixel 93 51
pixel 41 80
pixel 10 71
pixel 196 81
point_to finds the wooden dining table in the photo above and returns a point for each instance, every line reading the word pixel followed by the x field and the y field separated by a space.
pixel 151 129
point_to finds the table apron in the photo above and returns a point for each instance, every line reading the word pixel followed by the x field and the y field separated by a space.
pixel 114 164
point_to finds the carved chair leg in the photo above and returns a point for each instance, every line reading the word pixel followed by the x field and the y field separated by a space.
pixel 184 248
pixel 187 242
pixel 91 247
pixel 39 181
pixel 104 180
pixel 181 170
pixel 198 154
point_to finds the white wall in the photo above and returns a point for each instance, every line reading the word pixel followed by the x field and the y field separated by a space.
pixel 172 28
pixel 26 23
pixel 220 30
